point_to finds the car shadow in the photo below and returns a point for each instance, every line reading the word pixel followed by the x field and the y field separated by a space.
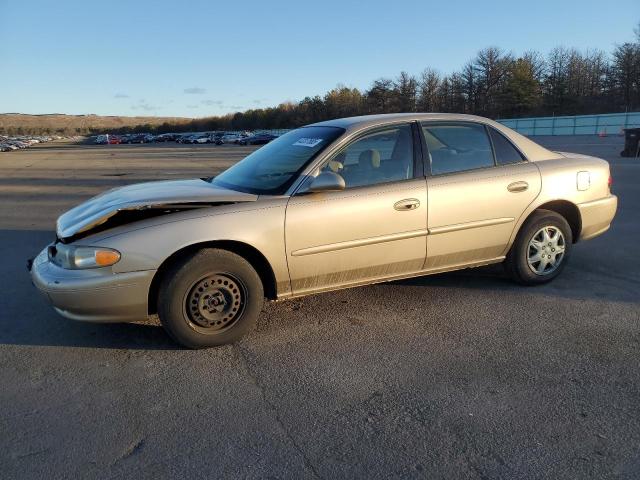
pixel 584 278
pixel 49 329
pixel 27 319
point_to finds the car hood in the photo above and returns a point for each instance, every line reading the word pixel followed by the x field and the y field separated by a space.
pixel 165 196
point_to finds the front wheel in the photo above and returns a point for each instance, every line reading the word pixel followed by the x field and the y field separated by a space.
pixel 541 249
pixel 211 298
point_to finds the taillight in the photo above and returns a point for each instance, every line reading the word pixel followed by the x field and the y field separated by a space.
pixel 610 182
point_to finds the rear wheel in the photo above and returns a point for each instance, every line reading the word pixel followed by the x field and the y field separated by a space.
pixel 541 249
pixel 211 298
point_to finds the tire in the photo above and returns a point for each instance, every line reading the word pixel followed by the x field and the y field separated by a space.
pixel 211 298
pixel 531 244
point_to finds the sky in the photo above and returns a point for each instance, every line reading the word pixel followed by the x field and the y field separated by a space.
pixel 201 58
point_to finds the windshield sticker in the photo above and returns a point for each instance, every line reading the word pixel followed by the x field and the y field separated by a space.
pixel 307 142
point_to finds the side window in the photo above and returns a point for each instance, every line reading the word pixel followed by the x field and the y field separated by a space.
pixel 380 157
pixel 505 152
pixel 456 147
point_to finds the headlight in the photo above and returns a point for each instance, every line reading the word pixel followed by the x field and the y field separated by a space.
pixel 78 258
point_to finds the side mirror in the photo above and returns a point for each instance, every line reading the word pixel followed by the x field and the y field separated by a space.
pixel 327 182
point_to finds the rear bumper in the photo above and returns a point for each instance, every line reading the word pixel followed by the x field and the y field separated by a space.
pixel 96 295
pixel 597 216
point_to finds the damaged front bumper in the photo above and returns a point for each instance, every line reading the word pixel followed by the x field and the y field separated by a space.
pixel 93 295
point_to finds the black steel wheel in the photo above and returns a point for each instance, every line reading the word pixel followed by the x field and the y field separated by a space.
pixel 210 298
pixel 215 302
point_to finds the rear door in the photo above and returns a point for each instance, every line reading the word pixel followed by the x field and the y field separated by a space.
pixel 479 185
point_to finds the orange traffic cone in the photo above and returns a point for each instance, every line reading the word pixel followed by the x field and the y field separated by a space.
pixel 603 133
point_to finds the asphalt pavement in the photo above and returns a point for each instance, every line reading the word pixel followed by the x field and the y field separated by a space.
pixel 461 375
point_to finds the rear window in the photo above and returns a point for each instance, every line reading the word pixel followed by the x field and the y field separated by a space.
pixel 506 153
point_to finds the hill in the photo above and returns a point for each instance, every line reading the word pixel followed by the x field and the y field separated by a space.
pixel 18 123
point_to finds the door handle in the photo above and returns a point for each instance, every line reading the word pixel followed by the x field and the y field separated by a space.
pixel 407 204
pixel 516 187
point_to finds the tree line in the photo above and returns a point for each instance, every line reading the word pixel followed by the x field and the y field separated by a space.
pixel 495 84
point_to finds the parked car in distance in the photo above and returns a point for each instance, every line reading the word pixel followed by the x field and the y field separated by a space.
pixel 202 138
pixel 232 138
pixel 19 143
pixel 217 137
pixel 332 205
pixel 113 140
pixel 166 137
pixel 136 138
pixel 190 139
pixel 11 143
pixel 184 138
pixel 257 139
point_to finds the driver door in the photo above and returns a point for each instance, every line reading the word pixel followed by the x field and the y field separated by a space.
pixel 373 229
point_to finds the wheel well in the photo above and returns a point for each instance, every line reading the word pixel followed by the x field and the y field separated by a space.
pixel 569 211
pixel 249 253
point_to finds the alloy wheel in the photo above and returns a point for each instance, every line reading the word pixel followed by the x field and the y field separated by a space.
pixel 546 250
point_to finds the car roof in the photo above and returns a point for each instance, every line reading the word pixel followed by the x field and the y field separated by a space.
pixel 364 121
pixel 530 149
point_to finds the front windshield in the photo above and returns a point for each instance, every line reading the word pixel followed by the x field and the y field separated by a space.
pixel 273 168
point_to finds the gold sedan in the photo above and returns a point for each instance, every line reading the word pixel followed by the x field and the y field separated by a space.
pixel 332 205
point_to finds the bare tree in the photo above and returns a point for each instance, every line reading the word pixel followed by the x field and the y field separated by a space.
pixel 492 65
pixel 556 79
pixel 428 91
pixel 625 72
pixel 471 87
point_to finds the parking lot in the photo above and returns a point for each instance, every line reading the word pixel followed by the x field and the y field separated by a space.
pixel 461 375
